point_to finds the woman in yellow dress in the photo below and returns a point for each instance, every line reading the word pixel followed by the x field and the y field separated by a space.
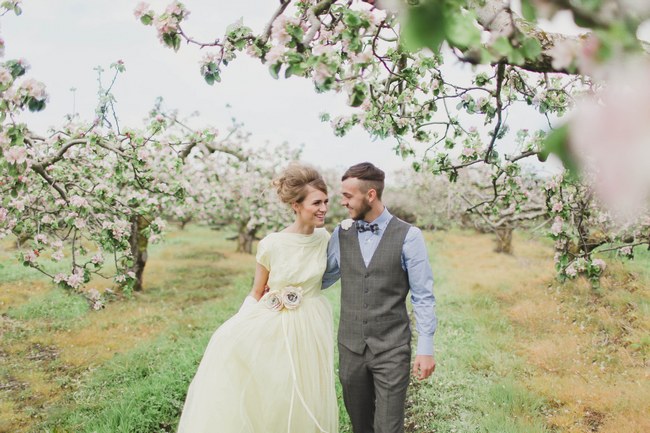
pixel 269 369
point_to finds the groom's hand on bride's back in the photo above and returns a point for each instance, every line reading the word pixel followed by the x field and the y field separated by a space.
pixel 423 366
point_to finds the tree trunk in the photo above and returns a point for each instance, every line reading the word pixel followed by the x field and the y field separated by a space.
pixel 245 239
pixel 183 222
pixel 139 243
pixel 504 239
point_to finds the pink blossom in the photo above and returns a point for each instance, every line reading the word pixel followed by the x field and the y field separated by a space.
pixel 57 256
pixel 571 270
pixel 34 89
pixel 59 277
pixel 75 279
pixel 279 29
pixel 15 155
pixel 362 58
pixel 609 135
pixel 556 228
pixel 557 206
pixel 5 76
pixel 18 204
pixel 469 152
pixel 599 263
pixel 98 258
pixel 93 294
pixel 3 214
pixel 321 73
pixel 40 239
pixel 176 8
pixel 141 9
pixel 160 223
pixel 377 16
pixel 275 54
pixel 626 251
pixel 78 201
pixel 563 53
pixel 79 223
pixel 31 257
pixel 321 49
pixel 251 51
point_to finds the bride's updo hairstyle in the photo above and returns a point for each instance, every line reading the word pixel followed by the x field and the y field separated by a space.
pixel 291 185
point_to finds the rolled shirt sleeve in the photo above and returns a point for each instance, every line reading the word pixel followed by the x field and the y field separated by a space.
pixel 415 261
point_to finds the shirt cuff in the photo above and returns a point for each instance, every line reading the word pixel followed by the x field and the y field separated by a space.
pixel 425 345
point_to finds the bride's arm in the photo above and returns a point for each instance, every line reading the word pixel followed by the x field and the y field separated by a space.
pixel 259 284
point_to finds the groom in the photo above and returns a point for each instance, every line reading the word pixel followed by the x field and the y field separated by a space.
pixel 379 258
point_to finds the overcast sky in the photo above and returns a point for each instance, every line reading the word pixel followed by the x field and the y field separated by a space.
pixel 64 40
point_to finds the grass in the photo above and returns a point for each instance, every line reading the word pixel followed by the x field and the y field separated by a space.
pixel 474 388
pixel 516 351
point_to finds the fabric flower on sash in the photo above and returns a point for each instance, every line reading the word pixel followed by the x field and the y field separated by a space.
pixel 273 300
pixel 291 297
pixel 288 298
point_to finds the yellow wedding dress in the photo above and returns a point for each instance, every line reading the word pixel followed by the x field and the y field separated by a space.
pixel 267 371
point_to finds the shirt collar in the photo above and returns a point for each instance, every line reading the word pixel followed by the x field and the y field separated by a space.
pixel 383 219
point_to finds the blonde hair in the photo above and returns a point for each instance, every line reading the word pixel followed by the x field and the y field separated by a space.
pixel 291 185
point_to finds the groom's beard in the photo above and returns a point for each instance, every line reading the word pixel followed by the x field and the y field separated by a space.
pixel 361 214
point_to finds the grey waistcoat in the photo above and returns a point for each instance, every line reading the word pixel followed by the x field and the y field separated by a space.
pixel 373 299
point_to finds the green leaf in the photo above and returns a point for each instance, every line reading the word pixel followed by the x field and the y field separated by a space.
pixel 351 19
pixel 35 105
pixel 294 70
pixel 460 30
pixel 528 10
pixel 275 70
pixel 516 57
pixel 557 142
pixel 532 48
pixel 359 94
pixel 172 40
pixel 146 19
pixel 424 27
pixel 502 46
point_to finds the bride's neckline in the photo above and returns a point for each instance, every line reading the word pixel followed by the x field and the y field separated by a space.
pixel 299 234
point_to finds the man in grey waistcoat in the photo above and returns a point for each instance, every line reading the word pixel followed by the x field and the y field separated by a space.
pixel 379 258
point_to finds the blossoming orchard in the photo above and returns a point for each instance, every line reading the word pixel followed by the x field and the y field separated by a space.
pixel 91 195
pixel 394 60
pixel 96 192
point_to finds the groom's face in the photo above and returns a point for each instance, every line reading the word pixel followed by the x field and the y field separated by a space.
pixel 354 198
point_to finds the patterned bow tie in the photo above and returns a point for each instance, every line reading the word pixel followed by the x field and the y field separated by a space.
pixel 364 227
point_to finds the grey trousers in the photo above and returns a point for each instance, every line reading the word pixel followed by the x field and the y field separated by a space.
pixel 374 388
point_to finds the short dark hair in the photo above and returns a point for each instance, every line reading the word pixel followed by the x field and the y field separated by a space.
pixel 372 177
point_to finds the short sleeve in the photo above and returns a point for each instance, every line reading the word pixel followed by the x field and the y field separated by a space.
pixel 325 235
pixel 263 255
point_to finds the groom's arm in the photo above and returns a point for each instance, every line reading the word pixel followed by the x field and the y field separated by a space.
pixel 416 263
pixel 333 271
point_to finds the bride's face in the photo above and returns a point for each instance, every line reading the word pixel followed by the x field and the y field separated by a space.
pixel 312 210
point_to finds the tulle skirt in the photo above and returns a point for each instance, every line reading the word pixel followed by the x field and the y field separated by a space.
pixel 265 371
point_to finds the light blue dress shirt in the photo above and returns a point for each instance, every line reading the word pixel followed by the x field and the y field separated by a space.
pixel 415 261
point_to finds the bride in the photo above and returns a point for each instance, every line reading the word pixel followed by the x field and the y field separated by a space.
pixel 269 369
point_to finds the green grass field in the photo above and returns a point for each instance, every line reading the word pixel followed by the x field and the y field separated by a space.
pixel 516 351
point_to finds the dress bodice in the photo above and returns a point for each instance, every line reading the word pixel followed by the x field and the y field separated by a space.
pixel 295 259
